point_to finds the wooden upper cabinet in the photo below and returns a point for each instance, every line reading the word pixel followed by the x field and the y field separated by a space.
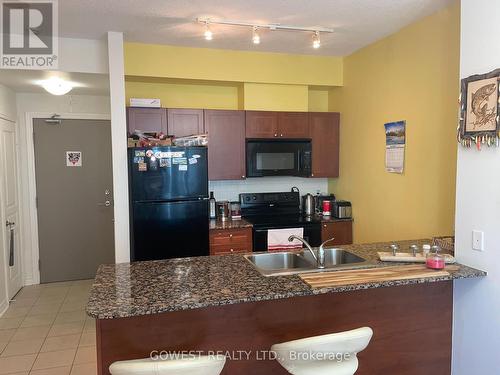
pixel 184 122
pixel 147 119
pixel 293 125
pixel 324 132
pixel 261 124
pixel 226 144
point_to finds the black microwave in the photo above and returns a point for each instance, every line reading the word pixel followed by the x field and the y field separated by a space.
pixel 280 157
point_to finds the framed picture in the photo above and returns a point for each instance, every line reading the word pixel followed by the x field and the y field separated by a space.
pixel 479 109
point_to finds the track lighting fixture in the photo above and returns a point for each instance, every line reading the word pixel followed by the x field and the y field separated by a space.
pixel 316 42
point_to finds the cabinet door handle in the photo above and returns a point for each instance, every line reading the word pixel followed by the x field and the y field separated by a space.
pixel 281 135
pixel 230 235
pixel 243 176
pixel 312 174
pixel 275 134
pixel 232 250
pixel 324 225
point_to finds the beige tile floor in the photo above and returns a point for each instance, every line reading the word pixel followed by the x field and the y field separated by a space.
pixel 45 331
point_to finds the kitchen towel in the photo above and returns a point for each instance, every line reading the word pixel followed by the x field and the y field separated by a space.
pixel 277 239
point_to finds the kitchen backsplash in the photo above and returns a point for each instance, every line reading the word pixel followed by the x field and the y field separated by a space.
pixel 229 190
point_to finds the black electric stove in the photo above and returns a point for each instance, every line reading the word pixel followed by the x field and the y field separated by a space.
pixel 275 211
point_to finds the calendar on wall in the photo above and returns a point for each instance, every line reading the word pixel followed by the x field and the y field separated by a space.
pixel 395 140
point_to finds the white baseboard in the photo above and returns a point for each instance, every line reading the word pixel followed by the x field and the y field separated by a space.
pixel 29 281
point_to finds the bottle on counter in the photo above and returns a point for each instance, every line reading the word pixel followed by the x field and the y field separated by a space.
pixel 211 201
pixel 435 260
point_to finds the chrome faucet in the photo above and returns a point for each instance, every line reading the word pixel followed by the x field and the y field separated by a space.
pixel 394 248
pixel 320 258
pixel 414 250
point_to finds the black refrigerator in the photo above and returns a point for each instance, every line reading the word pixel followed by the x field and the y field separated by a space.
pixel 168 202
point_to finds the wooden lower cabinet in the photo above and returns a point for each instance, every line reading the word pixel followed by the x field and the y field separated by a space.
pixel 230 241
pixel 340 230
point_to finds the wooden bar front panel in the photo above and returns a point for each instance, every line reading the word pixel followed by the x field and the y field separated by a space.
pixel 412 329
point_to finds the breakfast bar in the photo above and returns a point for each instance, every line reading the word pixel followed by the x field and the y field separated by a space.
pixel 224 304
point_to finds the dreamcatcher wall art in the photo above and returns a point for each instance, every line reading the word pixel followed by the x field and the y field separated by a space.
pixel 480 110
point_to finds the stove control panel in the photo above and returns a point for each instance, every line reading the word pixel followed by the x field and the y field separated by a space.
pixel 265 199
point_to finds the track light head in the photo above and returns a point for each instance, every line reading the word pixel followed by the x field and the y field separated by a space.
pixel 208 33
pixel 316 40
pixel 255 35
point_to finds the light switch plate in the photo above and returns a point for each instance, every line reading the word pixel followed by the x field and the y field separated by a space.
pixel 478 240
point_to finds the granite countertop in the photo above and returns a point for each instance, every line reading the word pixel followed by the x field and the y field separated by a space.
pixel 229 224
pixel 142 288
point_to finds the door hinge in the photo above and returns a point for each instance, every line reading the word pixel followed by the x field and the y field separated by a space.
pixel 39 264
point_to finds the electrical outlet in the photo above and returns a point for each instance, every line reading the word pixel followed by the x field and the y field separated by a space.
pixel 478 240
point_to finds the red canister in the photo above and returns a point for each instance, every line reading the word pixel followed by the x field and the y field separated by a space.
pixel 327 211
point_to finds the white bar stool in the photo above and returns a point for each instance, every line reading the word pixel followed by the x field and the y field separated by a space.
pixel 333 354
pixel 185 365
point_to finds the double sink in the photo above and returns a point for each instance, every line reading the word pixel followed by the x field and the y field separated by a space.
pixel 290 263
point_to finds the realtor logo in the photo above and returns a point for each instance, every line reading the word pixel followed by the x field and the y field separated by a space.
pixel 29 35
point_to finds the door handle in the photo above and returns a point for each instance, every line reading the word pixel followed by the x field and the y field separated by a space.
pixel 105 203
pixel 9 224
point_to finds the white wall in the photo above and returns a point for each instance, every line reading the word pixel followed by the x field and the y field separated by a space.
pixel 7 112
pixel 476 320
pixel 119 145
pixel 7 103
pixel 44 103
pixel 83 55
pixel 229 190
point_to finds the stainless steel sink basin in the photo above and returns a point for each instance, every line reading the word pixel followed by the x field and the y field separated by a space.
pixel 335 257
pixel 275 262
pixel 289 263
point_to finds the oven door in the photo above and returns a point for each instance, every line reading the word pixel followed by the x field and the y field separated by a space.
pixel 312 234
pixel 278 158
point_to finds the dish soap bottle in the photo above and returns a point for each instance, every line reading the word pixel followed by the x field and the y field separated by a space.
pixel 435 260
pixel 212 205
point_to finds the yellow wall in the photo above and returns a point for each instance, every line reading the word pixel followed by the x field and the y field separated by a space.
pixel 318 99
pixel 272 97
pixel 152 60
pixel 412 75
pixel 220 79
pixel 186 93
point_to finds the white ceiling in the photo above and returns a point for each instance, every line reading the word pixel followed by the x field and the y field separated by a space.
pixel 357 22
pixel 28 81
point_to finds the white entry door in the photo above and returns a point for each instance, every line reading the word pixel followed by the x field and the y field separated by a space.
pixel 9 208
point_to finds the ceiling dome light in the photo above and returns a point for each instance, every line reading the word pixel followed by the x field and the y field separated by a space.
pixel 255 35
pixel 316 40
pixel 56 86
pixel 208 33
